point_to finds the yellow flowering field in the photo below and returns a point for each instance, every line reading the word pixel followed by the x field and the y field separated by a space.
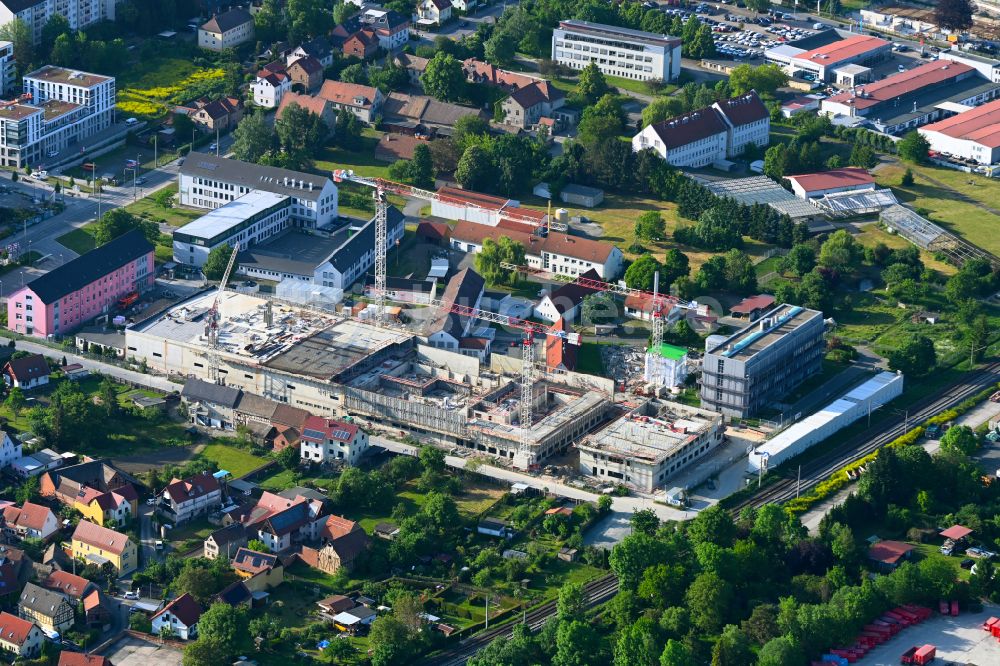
pixel 154 89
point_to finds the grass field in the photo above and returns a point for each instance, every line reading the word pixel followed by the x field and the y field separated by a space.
pixel 362 161
pixel 79 240
pixel 146 208
pixel 236 461
pixel 951 201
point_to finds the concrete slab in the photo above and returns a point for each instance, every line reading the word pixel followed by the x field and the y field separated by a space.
pixel 137 652
pixel 959 639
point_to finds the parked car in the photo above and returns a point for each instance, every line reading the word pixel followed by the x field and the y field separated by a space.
pixel 132 595
pixel 967 563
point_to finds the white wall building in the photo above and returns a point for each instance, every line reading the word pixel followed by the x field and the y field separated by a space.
pixel 207 181
pixel 391 28
pixel 988 68
pixel 326 440
pixel 10 450
pixel 8 68
pixel 269 88
pixel 971 135
pixel 630 54
pixel 668 365
pixel 249 220
pixel 226 30
pixel 36 13
pixel 184 499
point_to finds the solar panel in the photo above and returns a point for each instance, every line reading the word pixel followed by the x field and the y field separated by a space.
pixel 341 434
pixel 208 165
pixel 314 434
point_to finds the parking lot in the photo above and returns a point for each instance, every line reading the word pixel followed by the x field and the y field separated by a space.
pixel 136 652
pixel 960 640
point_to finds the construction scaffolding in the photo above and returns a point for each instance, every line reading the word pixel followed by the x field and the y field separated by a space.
pixel 928 236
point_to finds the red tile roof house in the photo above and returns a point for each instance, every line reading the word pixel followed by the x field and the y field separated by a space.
pixel 752 307
pixel 270 86
pixel 67 658
pixel 564 302
pixel 66 297
pixel 317 105
pixel 362 44
pixel 326 440
pixel 96 608
pixel 183 500
pixel 30 521
pixel 27 372
pixel 219 114
pixel 281 522
pixel 365 102
pixel 848 179
pixel 74 587
pixel 20 637
pixel 306 73
pixel 179 617
pixel 887 555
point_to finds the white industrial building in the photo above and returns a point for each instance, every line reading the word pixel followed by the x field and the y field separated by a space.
pixel 709 135
pixel 988 68
pixel 630 54
pixel 970 135
pixel 668 363
pixel 465 205
pixel 848 179
pixel 854 50
pixel 646 446
pixel 857 403
pixel 209 181
pixel 250 219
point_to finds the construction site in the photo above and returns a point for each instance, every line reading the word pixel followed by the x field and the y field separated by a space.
pixel 333 365
pixel 650 442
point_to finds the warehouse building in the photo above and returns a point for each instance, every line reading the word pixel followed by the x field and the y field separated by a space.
pixel 630 54
pixel 762 362
pixel 643 448
pixel 857 403
pixel 909 99
pixel 834 181
pixel 855 50
pixel 971 135
pixel 248 220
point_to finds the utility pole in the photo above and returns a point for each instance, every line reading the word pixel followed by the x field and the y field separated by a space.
pixel 216 141
pixel 155 163
pixel 798 481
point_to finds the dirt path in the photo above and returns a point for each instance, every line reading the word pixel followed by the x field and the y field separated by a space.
pixel 174 455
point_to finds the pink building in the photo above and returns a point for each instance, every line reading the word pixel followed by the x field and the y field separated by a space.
pixel 80 290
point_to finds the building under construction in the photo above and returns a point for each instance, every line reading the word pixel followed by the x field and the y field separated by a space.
pixel 651 442
pixel 336 366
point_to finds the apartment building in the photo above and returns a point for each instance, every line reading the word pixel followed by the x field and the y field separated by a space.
pixel 709 135
pixel 185 499
pixel 391 27
pixel 211 182
pixel 95 544
pixel 630 54
pixel 248 220
pixel 69 296
pixel 8 68
pixel 761 363
pixel 327 440
pixel 59 107
pixel 36 13
pixel 226 30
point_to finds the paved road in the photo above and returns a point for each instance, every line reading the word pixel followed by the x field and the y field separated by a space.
pixel 147 535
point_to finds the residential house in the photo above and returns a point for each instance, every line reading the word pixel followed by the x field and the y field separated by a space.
pixel 464 5
pixel 495 527
pixel 96 609
pixel 67 658
pixel 335 604
pixel 179 617
pixel 29 521
pixel 211 405
pixel 37 463
pixel 184 500
pixel 326 440
pixel 280 522
pixel 414 66
pixel 226 30
pixel 887 555
pixel 352 620
pixel 236 594
pixel 560 353
pixel 10 449
pixel 344 541
pixel 306 74
pixel 27 372
pixel 565 301
pixel 80 486
pixel 220 115
pixel 225 541
pixel 362 44
pixel 280 437
pixel 433 12
pixel 391 28
pixel 112 507
pixel 20 637
pixel 314 104
pixel 49 610
pixel 74 587
pixel 259 571
pixel 527 105
pixel 447 329
pixel 269 87
pixel 365 102
pixel 79 290
pixel 419 115
pixel 318 48
pixel 96 545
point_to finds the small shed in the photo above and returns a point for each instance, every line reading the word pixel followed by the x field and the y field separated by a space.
pixel 75 371
pixel 495 527
pixel 582 195
pixel 887 555
pixel 956 532
pixel 511 554
pixel 433 231
pixel 567 554
pixel 386 531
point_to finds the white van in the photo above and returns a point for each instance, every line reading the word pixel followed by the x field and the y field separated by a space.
pixel 131 121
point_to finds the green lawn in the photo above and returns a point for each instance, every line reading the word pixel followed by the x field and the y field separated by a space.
pixel 146 208
pixel 191 531
pixel 588 359
pixel 149 87
pixel 634 86
pixel 236 461
pixel 362 161
pixel 79 240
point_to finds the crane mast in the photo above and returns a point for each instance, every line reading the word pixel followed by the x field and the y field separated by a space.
pixel 214 317
pixel 659 323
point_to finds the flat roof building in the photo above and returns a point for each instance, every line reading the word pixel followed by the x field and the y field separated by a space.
pixel 855 50
pixel 848 179
pixel 971 135
pixel 762 362
pixel 254 217
pixel 649 444
pixel 630 54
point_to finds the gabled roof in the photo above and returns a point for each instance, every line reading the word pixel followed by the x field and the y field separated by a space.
pixel 844 49
pixel 441 5
pixel 286 521
pixel 336 603
pixel 319 429
pixel 95 599
pixel 311 103
pixel 577 247
pixel 234 594
pixel 350 545
pixel 897 85
pixel 252 561
pixel 570 295
pixel 528 96
pixel 689 127
pixel 30 516
pixel 743 109
pixel 308 64
pixel 846 177
pixel 464 288
pixel 100 537
pixel 348 94
pixel 27 368
pixel 193 488
pixel 13 629
pixel 256 176
pixel 184 608
pixel 199 390
pixel 42 601
pixel 318 47
pixel 366 36
pixel 67 658
pixel 227 21
pixel 751 303
pixel 336 527
pixel 980 125
pixel 67 583
pixel 362 242
pixel 889 552
pixel 228 534
pixel 956 532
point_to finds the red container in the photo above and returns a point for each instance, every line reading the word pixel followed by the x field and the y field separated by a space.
pixel 925 654
pixel 954 608
pixel 995 630
pixel 988 625
pixel 908 656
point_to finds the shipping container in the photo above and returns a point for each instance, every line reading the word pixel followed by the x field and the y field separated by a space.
pixel 925 654
pixel 954 608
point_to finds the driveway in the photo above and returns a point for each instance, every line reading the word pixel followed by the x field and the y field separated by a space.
pixel 131 651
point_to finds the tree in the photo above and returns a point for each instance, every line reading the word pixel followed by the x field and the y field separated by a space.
pixel 954 14
pixel 676 653
pixel 741 276
pixel 467 129
pixel 863 155
pixel 717 230
pixel 592 84
pixel 597 309
pixel 840 251
pixel 226 626
pixel 118 221
pixel 800 260
pixel 356 73
pixel 961 439
pixel 906 180
pixel 27 491
pixel 645 522
pixel 703 45
pixel 56 25
pixel 640 273
pixel 164 198
pixel 637 644
pixel 418 171
pixel 443 78
pixel 252 138
pixel 732 648
pixel 475 169
pixel 913 147
pixel 776 161
pixel 662 108
pixel 258 545
pixel 572 602
pixel 108 394
pixel 500 49
pixel 916 356
pixel 202 652
pixel 708 599
pixel 650 226
pixel 301 134
pixel 781 651
pixel 183 125
pixel 494 253
pixel 19 32
pixel 15 401
pixel 215 264
pixel 289 457
pixel 575 644
pixel 765 79
pixel 349 130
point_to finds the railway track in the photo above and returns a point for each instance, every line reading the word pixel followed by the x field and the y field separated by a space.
pixel 867 442
pixel 598 591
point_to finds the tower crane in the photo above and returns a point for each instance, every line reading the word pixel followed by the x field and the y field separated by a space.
pixel 212 327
